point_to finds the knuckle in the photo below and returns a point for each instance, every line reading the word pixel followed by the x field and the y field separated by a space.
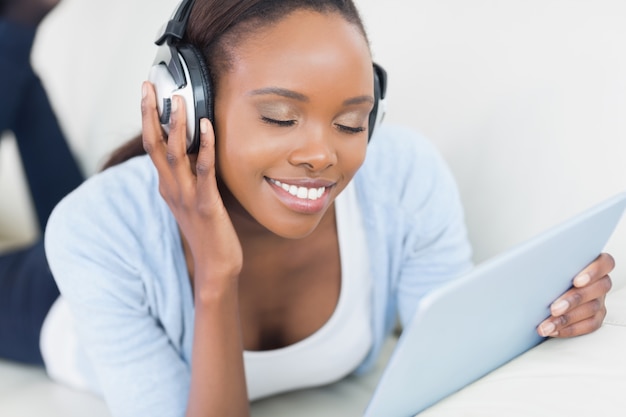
pixel 576 298
pixel 205 143
pixel 563 320
pixel 186 205
pixel 172 159
pixel 202 169
pixel 173 124
pixel 147 146
pixel 597 322
pixel 596 306
pixel 606 283
pixel 566 332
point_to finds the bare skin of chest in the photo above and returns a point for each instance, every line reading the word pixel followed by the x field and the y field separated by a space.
pixel 288 289
pixel 288 294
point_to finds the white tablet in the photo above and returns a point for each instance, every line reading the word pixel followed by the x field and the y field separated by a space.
pixel 473 325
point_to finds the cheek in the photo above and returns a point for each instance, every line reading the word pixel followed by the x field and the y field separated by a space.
pixel 234 161
pixel 238 145
pixel 232 143
pixel 353 157
pixel 242 157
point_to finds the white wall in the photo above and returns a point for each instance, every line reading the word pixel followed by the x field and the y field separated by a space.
pixel 525 98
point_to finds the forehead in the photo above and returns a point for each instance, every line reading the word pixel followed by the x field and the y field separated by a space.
pixel 304 46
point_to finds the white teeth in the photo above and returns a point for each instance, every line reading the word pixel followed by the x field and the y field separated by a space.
pixel 301 192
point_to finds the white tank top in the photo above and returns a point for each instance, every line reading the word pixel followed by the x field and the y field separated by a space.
pixel 326 356
pixel 341 344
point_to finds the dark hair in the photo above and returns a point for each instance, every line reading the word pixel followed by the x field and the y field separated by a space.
pixel 216 26
pixel 216 31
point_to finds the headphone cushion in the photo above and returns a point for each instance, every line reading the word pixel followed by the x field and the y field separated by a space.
pixel 200 79
pixel 201 85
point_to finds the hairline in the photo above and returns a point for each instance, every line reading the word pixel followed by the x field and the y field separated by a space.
pixel 234 36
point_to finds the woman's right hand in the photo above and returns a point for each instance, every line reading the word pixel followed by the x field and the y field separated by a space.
pixel 194 199
pixel 218 385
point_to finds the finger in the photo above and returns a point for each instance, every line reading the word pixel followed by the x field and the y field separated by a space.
pixel 556 325
pixel 176 156
pixel 601 266
pixel 155 144
pixel 151 131
pixel 207 191
pixel 582 326
pixel 577 296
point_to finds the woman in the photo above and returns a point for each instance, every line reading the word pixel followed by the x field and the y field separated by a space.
pixel 287 243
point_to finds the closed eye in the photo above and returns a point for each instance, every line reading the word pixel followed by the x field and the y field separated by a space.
pixel 283 123
pixel 350 130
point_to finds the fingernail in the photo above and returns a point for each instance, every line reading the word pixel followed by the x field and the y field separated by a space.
pixel 174 104
pixel 547 328
pixel 144 90
pixel 204 126
pixel 559 307
pixel 582 280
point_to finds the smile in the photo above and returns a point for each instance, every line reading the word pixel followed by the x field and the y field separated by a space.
pixel 303 193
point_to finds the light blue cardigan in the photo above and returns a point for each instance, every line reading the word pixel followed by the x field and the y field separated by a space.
pixel 115 251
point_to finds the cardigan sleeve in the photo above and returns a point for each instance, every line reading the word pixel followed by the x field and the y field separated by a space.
pixel 95 253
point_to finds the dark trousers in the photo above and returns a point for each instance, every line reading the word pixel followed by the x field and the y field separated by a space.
pixel 27 288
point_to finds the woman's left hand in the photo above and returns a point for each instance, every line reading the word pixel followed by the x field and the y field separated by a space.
pixel 581 309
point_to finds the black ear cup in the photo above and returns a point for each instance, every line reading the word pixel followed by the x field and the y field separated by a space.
pixel 180 70
pixel 202 89
pixel 380 104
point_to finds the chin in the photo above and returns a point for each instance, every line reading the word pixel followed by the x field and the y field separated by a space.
pixel 294 230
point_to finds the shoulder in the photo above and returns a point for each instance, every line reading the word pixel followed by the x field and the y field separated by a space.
pixel 121 191
pixel 118 194
pixel 134 178
pixel 109 217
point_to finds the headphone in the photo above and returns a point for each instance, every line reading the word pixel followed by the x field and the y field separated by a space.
pixel 179 69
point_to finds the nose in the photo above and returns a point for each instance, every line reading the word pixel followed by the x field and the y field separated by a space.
pixel 314 150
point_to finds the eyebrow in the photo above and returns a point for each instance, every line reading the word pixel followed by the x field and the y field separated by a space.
pixel 283 92
pixel 359 100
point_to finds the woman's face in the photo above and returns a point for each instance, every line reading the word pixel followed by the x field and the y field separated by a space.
pixel 292 117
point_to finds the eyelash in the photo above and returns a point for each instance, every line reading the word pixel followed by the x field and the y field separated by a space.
pixel 351 130
pixel 288 123
pixel 282 123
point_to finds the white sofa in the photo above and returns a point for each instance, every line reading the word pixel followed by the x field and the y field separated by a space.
pixel 524 98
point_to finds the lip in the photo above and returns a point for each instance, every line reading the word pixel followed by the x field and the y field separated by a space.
pixel 302 205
